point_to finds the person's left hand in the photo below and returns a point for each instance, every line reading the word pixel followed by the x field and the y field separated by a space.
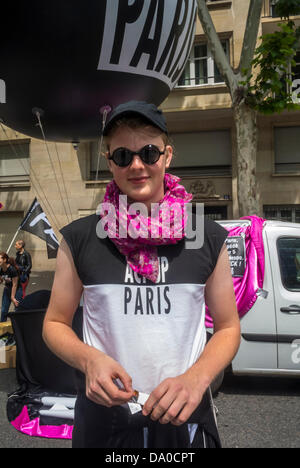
pixel 174 400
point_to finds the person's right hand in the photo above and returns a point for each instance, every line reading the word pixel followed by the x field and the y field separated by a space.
pixel 101 371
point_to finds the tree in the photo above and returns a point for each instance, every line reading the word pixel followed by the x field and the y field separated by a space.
pixel 248 97
pixel 270 90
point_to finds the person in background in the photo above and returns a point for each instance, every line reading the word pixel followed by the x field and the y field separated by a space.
pixel 12 291
pixel 23 261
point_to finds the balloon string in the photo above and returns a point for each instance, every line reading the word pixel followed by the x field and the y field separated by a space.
pixel 39 124
pixel 32 176
pixel 63 180
pixel 100 144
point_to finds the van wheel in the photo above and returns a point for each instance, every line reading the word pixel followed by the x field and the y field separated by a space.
pixel 216 384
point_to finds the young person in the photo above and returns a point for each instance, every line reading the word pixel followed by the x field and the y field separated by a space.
pixel 24 263
pixel 12 291
pixel 144 303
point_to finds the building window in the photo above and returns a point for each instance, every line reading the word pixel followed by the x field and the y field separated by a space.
pixel 216 213
pixel 273 12
pixel 207 153
pixel 201 68
pixel 291 80
pixel 269 9
pixel 295 70
pixel 286 149
pixel 288 213
pixel 218 4
pixel 14 161
pixel 9 222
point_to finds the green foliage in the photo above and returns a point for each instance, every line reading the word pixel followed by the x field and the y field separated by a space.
pixel 287 8
pixel 271 90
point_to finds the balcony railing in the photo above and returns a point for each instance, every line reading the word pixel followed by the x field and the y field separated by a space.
pixel 200 80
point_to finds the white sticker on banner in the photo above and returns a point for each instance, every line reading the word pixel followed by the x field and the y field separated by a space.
pixel 237 255
pixel 154 43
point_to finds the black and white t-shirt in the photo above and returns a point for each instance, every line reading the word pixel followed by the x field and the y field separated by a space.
pixel 154 331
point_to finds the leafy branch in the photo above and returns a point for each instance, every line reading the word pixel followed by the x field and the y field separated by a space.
pixel 287 8
pixel 270 91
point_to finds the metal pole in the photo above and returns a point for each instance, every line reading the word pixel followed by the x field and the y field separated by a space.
pixel 12 241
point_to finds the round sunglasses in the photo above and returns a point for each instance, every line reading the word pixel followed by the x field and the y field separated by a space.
pixel 123 157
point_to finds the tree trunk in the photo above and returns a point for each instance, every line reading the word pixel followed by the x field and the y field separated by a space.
pixel 245 118
pixel 246 141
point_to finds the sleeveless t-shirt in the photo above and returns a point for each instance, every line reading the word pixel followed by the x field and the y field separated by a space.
pixel 154 331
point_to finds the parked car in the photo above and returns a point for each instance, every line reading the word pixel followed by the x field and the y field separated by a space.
pixel 270 330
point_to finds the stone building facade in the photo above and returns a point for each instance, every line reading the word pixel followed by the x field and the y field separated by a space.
pixel 200 121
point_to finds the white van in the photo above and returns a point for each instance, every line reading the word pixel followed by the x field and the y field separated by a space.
pixel 270 341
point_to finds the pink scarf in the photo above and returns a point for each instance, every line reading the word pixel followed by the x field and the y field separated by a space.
pixel 141 252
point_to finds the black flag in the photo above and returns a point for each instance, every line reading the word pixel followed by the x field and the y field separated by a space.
pixel 36 223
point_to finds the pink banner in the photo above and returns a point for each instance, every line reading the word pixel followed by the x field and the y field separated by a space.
pixel 33 428
pixel 246 287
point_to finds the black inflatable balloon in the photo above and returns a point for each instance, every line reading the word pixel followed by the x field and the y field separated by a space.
pixel 72 57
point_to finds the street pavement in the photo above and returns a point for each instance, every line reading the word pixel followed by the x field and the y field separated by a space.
pixel 253 412
pixel 259 412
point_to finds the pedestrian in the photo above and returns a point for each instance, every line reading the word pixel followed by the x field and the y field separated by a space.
pixel 24 263
pixel 12 291
pixel 143 303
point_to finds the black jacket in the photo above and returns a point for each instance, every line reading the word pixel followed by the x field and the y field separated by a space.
pixel 24 263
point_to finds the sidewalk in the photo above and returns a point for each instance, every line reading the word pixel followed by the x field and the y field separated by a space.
pixel 39 280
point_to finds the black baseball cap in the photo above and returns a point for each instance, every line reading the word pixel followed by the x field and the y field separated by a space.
pixel 149 111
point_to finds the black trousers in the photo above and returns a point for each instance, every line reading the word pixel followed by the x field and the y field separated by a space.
pixel 96 426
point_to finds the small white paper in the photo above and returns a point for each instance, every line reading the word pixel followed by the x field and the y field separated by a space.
pixel 134 407
pixel 142 398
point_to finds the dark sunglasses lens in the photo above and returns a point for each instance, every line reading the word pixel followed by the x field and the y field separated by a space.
pixel 122 157
pixel 150 154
